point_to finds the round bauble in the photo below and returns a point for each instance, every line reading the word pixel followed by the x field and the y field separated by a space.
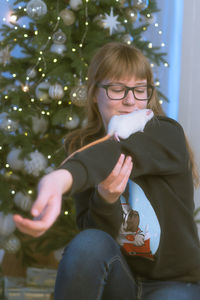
pixel 31 73
pixel 121 3
pixel 58 254
pixel 39 125
pixel 58 49
pixel 12 244
pixel 14 161
pixel 78 95
pixel 150 19
pixel 59 37
pixel 72 121
pixel 127 38
pixel 36 9
pixel 56 91
pixel 6 124
pixel 7 225
pixel 84 123
pixel 67 16
pixel 35 163
pixel 140 4
pixel 42 92
pixel 75 4
pixel 99 20
pixel 132 14
pixel 5 56
pixel 23 201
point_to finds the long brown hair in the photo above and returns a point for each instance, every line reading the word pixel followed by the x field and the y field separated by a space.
pixel 114 60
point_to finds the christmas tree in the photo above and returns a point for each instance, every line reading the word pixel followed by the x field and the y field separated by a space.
pixel 43 96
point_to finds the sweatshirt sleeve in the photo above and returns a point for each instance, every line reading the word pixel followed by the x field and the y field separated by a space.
pixel 93 212
pixel 159 150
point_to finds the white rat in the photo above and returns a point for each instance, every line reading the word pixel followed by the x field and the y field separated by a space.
pixel 122 126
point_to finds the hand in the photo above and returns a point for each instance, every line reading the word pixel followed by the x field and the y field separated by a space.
pixel 47 206
pixel 114 185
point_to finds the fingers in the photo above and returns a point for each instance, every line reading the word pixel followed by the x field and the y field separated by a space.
pixel 42 222
pixel 114 185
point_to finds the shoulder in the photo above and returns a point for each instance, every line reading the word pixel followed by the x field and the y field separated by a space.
pixel 163 123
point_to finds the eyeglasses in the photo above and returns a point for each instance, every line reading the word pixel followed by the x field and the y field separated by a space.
pixel 119 91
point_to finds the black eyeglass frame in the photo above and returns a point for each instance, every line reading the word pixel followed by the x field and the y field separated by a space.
pixel 106 86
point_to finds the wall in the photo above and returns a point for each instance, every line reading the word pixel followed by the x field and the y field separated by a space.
pixel 189 102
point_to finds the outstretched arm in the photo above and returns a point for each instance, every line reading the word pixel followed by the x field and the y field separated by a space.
pixel 47 206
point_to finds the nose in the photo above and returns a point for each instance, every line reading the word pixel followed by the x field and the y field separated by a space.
pixel 129 99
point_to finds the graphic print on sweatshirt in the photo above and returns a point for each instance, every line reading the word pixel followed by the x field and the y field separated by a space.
pixel 139 234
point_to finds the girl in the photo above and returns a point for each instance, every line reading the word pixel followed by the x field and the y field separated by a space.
pixel 134 198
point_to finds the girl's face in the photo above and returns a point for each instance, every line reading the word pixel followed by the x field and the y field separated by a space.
pixel 108 108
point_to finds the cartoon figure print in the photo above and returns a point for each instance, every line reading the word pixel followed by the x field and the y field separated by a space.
pixel 131 238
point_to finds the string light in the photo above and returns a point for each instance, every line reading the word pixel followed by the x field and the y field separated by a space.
pixel 49 156
pixel 25 88
pixel 7 166
pixel 30 192
pixel 12 192
pixel 66 212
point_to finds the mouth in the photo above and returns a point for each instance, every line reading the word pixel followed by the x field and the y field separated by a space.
pixel 125 112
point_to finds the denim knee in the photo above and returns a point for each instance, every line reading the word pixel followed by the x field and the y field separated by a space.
pixel 91 244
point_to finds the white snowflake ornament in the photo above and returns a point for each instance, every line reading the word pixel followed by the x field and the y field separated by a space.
pixel 110 21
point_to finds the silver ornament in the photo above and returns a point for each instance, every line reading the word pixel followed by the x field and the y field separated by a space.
pixel 127 38
pixel 67 16
pixel 59 37
pixel 23 201
pixel 58 48
pixel 13 159
pixel 75 4
pixel 99 21
pixel 78 95
pixel 150 19
pixel 36 9
pixel 39 125
pixel 42 92
pixel 140 4
pixel 132 14
pixel 7 225
pixel 56 91
pixel 58 254
pixel 5 56
pixel 35 163
pixel 7 124
pixel 31 72
pixel 72 121
pixel 12 244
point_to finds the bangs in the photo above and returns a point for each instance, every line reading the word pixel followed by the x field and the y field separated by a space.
pixel 125 63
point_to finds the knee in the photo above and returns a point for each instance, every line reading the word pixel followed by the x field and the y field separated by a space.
pixel 89 245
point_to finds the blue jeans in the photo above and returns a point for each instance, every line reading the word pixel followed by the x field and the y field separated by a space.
pixel 92 267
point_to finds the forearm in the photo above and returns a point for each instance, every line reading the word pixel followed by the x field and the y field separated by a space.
pixel 61 180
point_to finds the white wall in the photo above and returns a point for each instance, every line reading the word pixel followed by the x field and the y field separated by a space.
pixel 189 102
